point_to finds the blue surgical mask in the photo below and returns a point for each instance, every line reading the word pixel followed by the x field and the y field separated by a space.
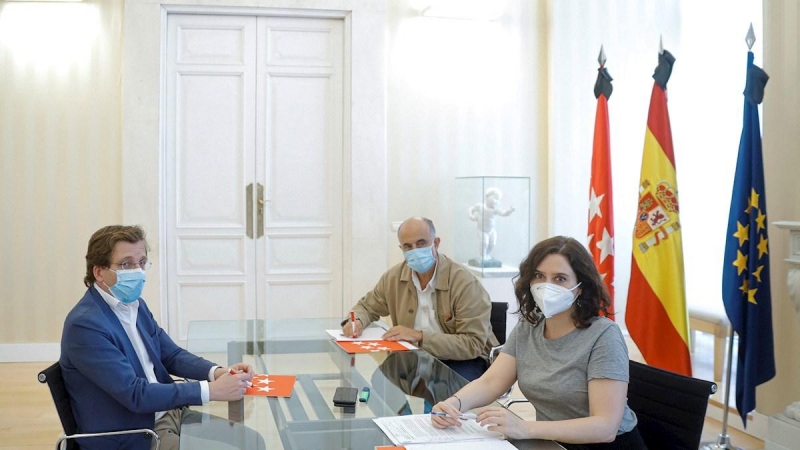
pixel 420 259
pixel 128 287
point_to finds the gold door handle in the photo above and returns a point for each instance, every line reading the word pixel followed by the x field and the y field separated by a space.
pixel 249 202
pixel 260 216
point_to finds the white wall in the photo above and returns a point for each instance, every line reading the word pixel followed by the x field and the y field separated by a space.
pixel 60 95
pixel 463 99
pixel 781 160
pixel 514 96
pixel 705 104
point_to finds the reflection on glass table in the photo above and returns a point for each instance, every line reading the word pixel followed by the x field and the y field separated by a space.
pixel 401 383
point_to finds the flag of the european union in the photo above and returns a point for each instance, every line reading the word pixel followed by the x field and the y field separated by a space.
pixel 745 277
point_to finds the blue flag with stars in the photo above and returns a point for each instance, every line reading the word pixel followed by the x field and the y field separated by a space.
pixel 745 276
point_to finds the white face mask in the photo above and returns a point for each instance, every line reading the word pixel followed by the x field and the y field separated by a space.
pixel 551 298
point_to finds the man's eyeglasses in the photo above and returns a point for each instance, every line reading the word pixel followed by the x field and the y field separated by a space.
pixel 128 265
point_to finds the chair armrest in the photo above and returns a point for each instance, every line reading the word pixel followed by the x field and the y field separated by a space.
pixel 152 434
pixel 494 352
pixel 510 401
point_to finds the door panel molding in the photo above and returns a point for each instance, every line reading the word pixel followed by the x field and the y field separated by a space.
pixel 254 168
pixel 145 134
pixel 208 160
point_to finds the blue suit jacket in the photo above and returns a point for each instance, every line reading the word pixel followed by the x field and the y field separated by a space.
pixel 105 381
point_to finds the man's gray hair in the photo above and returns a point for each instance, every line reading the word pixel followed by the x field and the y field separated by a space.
pixel 430 227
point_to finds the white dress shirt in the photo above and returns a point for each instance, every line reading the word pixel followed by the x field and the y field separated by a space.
pixel 425 319
pixel 127 315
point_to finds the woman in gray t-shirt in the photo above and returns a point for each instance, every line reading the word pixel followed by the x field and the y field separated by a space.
pixel 571 363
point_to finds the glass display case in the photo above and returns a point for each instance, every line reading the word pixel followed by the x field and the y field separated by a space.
pixel 492 224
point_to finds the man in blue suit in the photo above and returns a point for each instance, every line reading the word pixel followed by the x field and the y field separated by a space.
pixel 117 361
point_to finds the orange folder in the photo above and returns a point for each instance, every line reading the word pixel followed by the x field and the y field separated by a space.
pixel 272 386
pixel 371 346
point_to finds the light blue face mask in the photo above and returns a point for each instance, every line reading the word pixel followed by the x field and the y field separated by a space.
pixel 129 285
pixel 420 259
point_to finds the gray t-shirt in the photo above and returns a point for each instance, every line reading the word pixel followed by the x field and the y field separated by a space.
pixel 554 374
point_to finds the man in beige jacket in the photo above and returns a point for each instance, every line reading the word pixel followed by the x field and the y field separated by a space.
pixel 433 303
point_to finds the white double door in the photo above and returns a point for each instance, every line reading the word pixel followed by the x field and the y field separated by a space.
pixel 253 168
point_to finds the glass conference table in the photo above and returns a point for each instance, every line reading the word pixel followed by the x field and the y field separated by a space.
pixel 400 382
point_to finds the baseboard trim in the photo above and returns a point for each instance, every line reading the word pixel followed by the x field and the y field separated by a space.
pixel 44 352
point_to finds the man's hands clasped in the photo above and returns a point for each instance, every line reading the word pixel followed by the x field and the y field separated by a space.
pixel 230 383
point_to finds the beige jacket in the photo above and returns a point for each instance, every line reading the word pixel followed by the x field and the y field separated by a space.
pixel 462 305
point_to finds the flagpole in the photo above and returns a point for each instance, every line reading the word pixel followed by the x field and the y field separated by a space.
pixel 724 440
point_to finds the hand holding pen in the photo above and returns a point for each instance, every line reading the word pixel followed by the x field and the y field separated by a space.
pixel 351 327
pixel 462 416
pixel 446 415
pixel 233 371
pixel 230 384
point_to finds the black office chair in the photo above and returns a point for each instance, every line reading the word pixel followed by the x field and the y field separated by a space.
pixel 52 376
pixel 671 408
pixel 498 321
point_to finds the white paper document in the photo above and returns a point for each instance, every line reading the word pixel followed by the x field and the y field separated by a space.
pixel 374 332
pixel 486 444
pixel 367 334
pixel 418 429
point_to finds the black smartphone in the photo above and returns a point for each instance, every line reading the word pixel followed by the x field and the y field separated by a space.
pixel 345 396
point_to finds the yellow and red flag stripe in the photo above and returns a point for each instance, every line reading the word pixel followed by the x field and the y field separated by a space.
pixel 601 210
pixel 656 314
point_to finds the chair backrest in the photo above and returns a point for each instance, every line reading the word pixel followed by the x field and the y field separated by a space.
pixel 52 376
pixel 671 408
pixel 498 320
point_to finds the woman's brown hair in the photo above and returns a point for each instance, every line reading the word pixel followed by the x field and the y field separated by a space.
pixel 594 296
